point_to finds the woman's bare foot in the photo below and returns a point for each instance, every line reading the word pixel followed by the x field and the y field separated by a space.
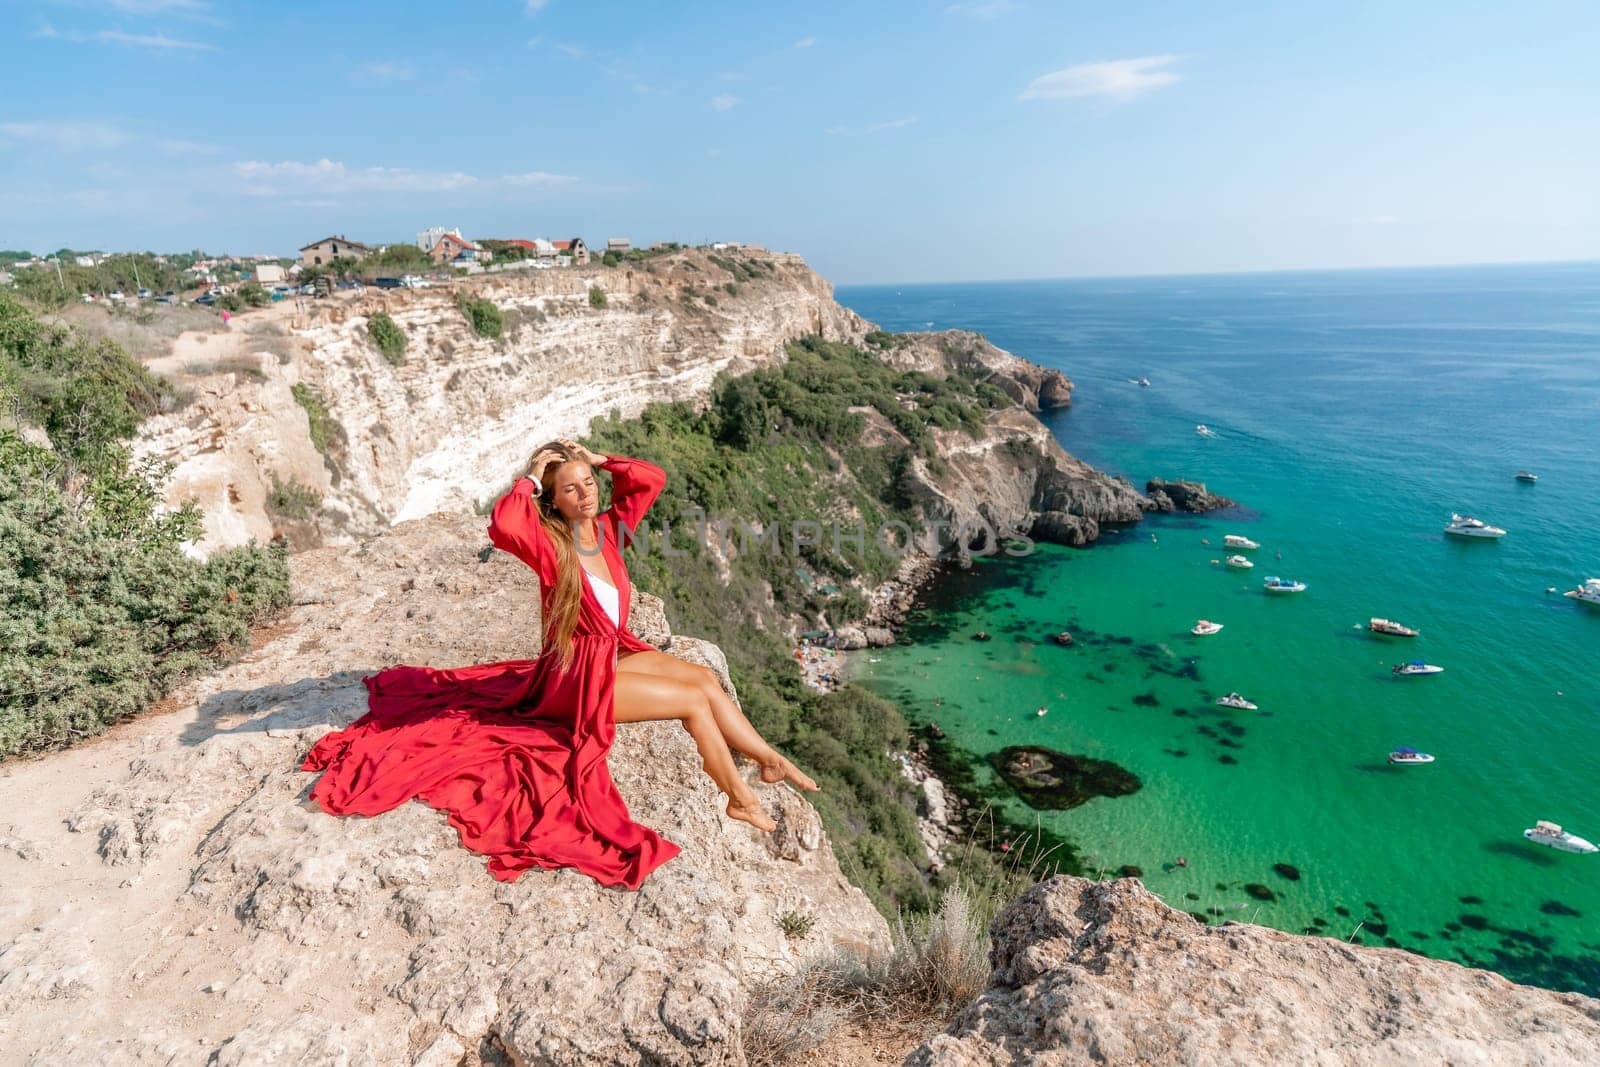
pixel 750 811
pixel 780 770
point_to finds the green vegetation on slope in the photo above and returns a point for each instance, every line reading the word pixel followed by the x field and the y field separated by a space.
pixel 779 447
pixel 389 338
pixel 101 612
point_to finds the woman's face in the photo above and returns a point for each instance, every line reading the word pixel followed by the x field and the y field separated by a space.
pixel 574 491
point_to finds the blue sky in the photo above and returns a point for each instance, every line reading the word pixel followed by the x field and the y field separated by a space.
pixel 883 141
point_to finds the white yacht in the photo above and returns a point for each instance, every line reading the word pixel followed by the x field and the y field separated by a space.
pixel 1274 584
pixel 1239 563
pixel 1234 700
pixel 1236 541
pixel 1404 756
pixel 1587 593
pixel 1042 712
pixel 1548 833
pixel 1416 666
pixel 1205 628
pixel 1467 526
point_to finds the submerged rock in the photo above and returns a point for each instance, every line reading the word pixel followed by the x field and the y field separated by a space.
pixel 1047 779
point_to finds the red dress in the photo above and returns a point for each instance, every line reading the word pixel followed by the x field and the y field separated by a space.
pixel 513 752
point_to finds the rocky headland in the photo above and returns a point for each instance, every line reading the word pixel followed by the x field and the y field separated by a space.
pixel 1103 972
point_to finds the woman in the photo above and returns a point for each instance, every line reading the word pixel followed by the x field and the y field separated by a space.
pixel 514 752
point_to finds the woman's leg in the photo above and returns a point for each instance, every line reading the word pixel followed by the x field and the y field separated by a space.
pixel 736 729
pixel 637 697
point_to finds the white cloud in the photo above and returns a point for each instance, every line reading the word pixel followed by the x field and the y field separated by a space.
pixel 805 42
pixel 159 42
pixel 723 101
pixel 1120 79
pixel 539 178
pixel 983 9
pixel 327 176
pixel 68 134
pixel 876 127
pixel 536 6
pixel 572 51
pixel 388 71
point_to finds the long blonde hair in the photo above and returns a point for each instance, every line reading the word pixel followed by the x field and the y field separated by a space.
pixel 567 601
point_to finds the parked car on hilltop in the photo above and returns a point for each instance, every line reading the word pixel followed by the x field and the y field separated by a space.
pixel 388 283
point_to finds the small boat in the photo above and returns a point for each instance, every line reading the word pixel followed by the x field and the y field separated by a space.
pixel 1239 562
pixel 1063 638
pixel 1548 833
pixel 1205 431
pixel 1274 584
pixel 1145 382
pixel 1416 666
pixel 1587 593
pixel 1234 700
pixel 1403 756
pixel 1041 712
pixel 1205 628
pixel 1236 541
pixel 1467 526
pixel 1527 476
pixel 1390 628
pixel 981 635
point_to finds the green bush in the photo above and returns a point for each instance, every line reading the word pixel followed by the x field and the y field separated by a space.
pixel 485 317
pixel 292 499
pixel 326 433
pixel 102 613
pixel 597 297
pixel 389 338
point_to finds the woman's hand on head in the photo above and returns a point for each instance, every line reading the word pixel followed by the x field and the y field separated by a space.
pixel 594 459
pixel 540 461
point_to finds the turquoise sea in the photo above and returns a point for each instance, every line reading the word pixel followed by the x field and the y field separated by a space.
pixel 1354 411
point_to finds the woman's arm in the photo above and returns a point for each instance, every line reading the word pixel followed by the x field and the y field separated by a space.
pixel 635 484
pixel 514 527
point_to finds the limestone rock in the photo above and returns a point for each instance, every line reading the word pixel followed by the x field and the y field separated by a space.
pixel 179 899
pixel 1184 496
pixel 1089 972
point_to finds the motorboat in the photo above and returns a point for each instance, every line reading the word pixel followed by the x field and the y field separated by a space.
pixel 1205 628
pixel 1467 526
pixel 1236 541
pixel 1587 593
pixel 1041 712
pixel 1553 836
pixel 1390 628
pixel 1234 700
pixel 1239 562
pixel 1145 382
pixel 1416 666
pixel 1274 584
pixel 1527 476
pixel 1205 431
pixel 1404 756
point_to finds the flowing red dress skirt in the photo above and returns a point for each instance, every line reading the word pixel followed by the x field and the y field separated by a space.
pixel 513 752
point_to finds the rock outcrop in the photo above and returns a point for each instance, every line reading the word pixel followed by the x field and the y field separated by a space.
pixel 1184 496
pixel 1088 972
pixel 170 896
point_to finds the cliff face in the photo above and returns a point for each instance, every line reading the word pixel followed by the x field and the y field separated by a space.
pixel 170 896
pixel 460 417
pixel 455 422
pixel 1089 972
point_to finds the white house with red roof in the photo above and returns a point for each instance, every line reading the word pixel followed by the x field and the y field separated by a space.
pixel 456 249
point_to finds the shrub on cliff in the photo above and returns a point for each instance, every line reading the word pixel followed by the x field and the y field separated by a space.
pixel 389 338
pixel 485 317
pixel 597 297
pixel 326 433
pixel 102 611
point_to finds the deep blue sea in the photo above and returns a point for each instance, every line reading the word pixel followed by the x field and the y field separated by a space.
pixel 1353 412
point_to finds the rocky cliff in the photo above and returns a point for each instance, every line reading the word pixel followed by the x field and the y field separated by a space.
pixel 1089 972
pixel 170 897
pixel 451 425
